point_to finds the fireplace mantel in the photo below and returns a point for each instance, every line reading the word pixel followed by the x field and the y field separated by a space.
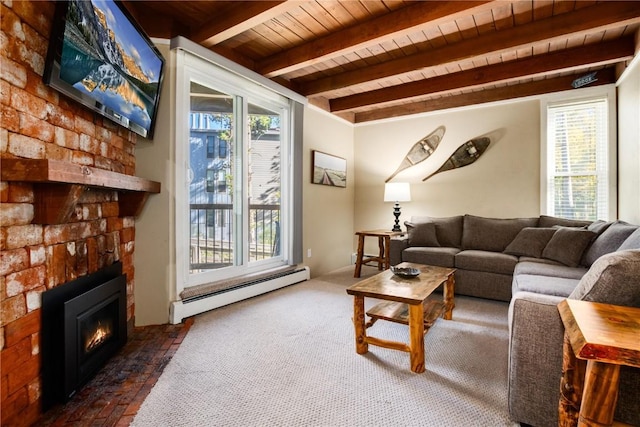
pixel 59 185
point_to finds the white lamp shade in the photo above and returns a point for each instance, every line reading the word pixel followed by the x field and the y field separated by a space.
pixel 397 192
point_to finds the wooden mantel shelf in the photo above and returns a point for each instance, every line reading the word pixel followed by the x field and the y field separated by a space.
pixel 59 186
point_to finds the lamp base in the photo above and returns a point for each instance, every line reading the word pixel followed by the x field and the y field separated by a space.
pixel 396 213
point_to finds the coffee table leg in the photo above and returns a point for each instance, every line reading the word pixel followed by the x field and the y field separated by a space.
pixel 358 322
pixel 449 303
pixel 416 337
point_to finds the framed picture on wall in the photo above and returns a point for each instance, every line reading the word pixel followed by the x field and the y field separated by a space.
pixel 328 169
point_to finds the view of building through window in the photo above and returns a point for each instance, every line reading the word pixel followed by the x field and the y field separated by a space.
pixel 217 183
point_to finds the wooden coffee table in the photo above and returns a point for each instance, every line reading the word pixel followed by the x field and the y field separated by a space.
pixel 404 302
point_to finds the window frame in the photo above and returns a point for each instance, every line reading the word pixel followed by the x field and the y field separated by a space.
pixel 607 92
pixel 192 67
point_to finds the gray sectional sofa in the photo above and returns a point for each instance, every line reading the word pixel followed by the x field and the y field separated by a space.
pixel 534 263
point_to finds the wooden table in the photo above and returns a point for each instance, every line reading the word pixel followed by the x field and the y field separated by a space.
pixel 599 338
pixel 384 242
pixel 404 302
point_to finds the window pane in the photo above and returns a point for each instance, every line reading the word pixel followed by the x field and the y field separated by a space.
pixel 576 137
pixel 578 142
pixel 264 183
pixel 575 197
pixel 222 149
pixel 211 215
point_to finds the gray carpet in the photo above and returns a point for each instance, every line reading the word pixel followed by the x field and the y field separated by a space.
pixel 288 358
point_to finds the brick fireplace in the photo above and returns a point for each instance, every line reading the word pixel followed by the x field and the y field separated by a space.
pixel 35 254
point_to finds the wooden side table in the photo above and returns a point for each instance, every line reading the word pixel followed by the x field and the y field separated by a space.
pixel 384 242
pixel 599 338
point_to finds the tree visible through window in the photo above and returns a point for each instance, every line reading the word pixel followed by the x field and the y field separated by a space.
pixel 235 180
pixel 577 159
pixel 238 174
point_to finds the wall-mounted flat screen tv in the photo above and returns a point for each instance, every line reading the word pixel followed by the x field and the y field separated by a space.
pixel 99 56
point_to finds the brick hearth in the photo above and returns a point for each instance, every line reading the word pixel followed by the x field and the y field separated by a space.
pixel 40 123
pixel 114 395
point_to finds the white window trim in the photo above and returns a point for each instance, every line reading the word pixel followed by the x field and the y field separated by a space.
pixel 187 68
pixel 608 91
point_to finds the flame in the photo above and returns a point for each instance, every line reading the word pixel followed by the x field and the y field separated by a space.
pixel 100 335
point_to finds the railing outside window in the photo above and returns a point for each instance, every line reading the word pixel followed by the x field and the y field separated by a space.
pixel 212 243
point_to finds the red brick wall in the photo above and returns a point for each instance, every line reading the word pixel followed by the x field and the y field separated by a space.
pixel 38 122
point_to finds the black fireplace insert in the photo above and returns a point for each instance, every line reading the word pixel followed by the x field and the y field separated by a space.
pixel 84 323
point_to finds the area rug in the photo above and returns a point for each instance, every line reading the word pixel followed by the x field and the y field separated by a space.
pixel 288 358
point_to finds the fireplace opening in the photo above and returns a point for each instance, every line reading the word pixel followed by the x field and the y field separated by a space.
pixel 95 334
pixel 83 325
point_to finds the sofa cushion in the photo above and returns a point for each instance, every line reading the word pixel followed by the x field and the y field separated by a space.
pixel 442 257
pixel 492 234
pixel 492 262
pixel 609 241
pixel 422 234
pixel 567 245
pixel 483 284
pixel 539 261
pixel 599 226
pixel 448 230
pixel 547 285
pixel 551 269
pixel 632 242
pixel 612 279
pixel 530 241
pixel 549 221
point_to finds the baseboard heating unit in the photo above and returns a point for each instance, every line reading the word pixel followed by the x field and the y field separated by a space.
pixel 198 299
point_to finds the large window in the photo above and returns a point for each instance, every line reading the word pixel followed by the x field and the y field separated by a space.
pixel 235 206
pixel 579 166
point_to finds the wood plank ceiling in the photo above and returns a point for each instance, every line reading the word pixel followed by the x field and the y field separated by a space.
pixel 365 60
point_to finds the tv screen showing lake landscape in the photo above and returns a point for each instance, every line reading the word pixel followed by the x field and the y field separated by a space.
pixel 100 57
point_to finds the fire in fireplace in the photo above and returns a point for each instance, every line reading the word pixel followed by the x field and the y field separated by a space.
pixel 83 324
pixel 95 335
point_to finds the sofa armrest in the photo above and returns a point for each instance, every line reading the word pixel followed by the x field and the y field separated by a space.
pixel 397 245
pixel 535 358
pixel 536 337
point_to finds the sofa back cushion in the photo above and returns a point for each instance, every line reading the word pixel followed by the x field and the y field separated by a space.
pixel 632 242
pixel 422 234
pixel 599 226
pixel 448 229
pixel 609 241
pixel 492 234
pixel 612 279
pixel 550 221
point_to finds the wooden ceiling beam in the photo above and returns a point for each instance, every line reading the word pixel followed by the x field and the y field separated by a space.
pixel 240 17
pixel 592 55
pixel 540 87
pixel 373 31
pixel 600 17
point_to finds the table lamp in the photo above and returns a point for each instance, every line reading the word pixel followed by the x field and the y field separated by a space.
pixel 397 192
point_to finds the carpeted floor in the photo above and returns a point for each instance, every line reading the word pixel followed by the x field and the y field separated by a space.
pixel 288 358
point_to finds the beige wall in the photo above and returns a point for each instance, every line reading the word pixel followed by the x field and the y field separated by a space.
pixel 154 258
pixel 629 145
pixel 503 183
pixel 328 211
